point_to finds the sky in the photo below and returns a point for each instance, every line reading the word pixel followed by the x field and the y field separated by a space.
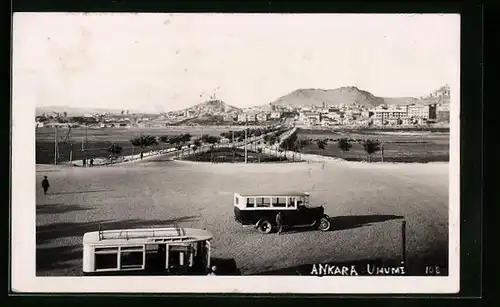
pixel 163 62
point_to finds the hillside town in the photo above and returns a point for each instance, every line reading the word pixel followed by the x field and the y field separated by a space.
pixel 432 109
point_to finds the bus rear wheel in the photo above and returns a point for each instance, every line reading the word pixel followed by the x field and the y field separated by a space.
pixel 265 227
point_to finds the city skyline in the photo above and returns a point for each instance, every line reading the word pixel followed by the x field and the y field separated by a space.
pixel 179 60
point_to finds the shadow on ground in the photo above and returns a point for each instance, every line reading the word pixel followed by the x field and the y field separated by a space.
pixel 225 266
pixel 49 232
pixel 415 265
pixel 76 192
pixel 57 258
pixel 348 222
pixel 355 221
pixel 59 208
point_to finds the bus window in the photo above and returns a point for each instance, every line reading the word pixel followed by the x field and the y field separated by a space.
pixel 264 202
pixel 106 258
pixel 291 202
pixel 132 258
pixel 250 202
pixel 236 200
pixel 259 201
pixel 279 201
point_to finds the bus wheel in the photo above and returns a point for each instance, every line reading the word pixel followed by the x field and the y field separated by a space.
pixel 265 227
pixel 324 224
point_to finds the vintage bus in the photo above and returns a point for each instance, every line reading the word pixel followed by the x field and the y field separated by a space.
pixel 260 210
pixel 154 251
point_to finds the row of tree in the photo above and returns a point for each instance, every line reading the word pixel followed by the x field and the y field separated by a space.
pixel 144 142
pixel 370 146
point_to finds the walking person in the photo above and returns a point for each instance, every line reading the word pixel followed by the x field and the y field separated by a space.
pixel 45 185
pixel 84 162
pixel 142 155
pixel 279 222
pixel 91 162
pixel 212 270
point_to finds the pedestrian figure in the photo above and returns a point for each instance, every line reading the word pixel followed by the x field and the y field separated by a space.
pixel 142 155
pixel 45 185
pixel 91 162
pixel 212 270
pixel 84 162
pixel 279 222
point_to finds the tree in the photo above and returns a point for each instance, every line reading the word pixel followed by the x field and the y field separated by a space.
pixel 123 111
pixel 65 114
pixel 164 139
pixel 144 141
pixel 194 148
pixel 115 150
pixel 371 146
pixel 185 138
pixel 344 144
pixel 212 140
pixel 321 144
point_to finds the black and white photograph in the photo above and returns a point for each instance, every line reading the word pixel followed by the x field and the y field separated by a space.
pixel 243 153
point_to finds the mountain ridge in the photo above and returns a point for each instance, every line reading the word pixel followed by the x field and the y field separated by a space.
pixel 354 95
pixel 296 98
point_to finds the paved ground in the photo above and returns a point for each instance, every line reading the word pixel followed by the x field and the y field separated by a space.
pixel 367 203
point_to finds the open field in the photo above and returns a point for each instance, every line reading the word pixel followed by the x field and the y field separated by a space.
pixel 98 140
pixel 399 146
pixel 227 154
pixel 367 203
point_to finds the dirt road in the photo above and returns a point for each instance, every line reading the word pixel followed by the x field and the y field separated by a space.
pixel 366 201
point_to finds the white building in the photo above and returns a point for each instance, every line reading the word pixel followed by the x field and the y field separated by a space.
pixel 275 115
pixel 418 111
pixel 262 117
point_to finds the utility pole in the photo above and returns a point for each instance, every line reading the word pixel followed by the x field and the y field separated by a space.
pixel 246 153
pixel 55 145
pixel 382 151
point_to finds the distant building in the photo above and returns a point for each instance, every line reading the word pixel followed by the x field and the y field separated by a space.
pixel 262 117
pixel 383 113
pixel 275 115
pixel 365 114
pixel 311 118
pixel 189 113
pixel 326 121
pixel 242 117
pixel 418 111
pixel 251 117
pixel 229 117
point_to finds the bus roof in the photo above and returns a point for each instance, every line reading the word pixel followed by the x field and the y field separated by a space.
pixel 146 235
pixel 281 194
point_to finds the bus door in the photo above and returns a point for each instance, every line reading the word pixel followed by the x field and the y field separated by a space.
pixel 179 257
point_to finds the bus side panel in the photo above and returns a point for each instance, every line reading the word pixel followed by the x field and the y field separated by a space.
pixel 88 259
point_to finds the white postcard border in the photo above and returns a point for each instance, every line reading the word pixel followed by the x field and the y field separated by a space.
pixel 23 244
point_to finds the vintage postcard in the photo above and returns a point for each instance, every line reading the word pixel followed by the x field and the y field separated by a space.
pixel 240 153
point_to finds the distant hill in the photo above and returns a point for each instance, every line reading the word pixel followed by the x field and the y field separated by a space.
pixel 439 96
pixel 212 106
pixel 354 95
pixel 316 97
pixel 71 111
